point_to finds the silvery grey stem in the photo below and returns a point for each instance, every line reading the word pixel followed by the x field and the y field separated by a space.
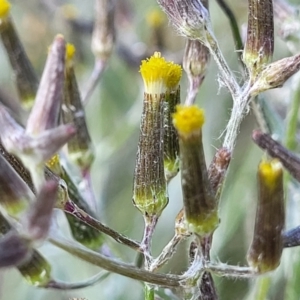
pixel 226 74
pixel 72 209
pixel 239 110
pixel 230 271
pixel 61 285
pixel 165 280
pixel 167 252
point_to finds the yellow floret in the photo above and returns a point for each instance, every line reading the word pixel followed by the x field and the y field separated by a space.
pixel 70 51
pixel 69 11
pixel 159 74
pixel 155 18
pixel 188 119
pixel 4 8
pixel 54 164
pixel 270 171
pixel 173 76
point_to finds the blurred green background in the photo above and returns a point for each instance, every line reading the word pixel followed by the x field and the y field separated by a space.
pixel 113 116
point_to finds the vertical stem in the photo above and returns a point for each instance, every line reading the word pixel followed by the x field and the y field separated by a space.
pixel 149 292
pixel 239 110
pixel 263 288
pixel 88 190
pixel 99 69
pixel 292 119
pixel 150 223
pixel 234 27
pixel 227 76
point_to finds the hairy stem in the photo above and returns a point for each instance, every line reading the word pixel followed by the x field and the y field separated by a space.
pixel 239 110
pixel 230 271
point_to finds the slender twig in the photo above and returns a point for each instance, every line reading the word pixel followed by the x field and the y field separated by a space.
pixel 99 68
pixel 230 271
pixel 292 119
pixel 60 285
pixel 150 223
pixel 72 209
pixel 226 74
pixel 97 259
pixel 234 27
pixel 166 253
pixel 239 110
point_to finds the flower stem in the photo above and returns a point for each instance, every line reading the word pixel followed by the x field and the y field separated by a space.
pixel 97 259
pixel 167 252
pixel 239 110
pixel 230 271
pixel 226 74
pixel 263 286
pixel 292 119
pixel 72 209
pixel 149 292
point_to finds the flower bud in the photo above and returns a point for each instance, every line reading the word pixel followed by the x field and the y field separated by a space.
pixel 259 46
pixel 189 17
pixel 200 207
pixel 217 170
pixel 104 30
pixel 195 62
pixel 267 244
pixel 46 109
pixel 82 233
pixel 289 160
pixel 150 189
pixel 15 195
pixel 26 79
pixel 32 151
pixel 18 167
pixel 13 250
pixel 35 269
pixel 80 148
pixel 171 145
pixel 276 74
pixel 36 222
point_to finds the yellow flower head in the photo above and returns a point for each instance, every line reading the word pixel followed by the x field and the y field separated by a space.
pixel 270 171
pixel 159 75
pixel 188 119
pixel 4 8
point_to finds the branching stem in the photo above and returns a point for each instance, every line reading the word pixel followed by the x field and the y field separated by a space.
pixel 165 280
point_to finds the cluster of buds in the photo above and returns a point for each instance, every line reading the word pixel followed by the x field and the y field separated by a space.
pixel 26 79
pixel 29 189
